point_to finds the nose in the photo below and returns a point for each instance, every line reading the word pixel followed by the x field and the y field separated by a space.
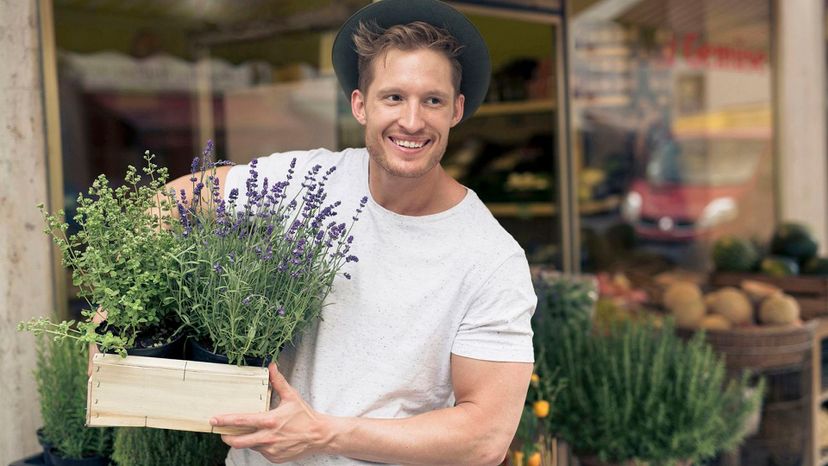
pixel 411 117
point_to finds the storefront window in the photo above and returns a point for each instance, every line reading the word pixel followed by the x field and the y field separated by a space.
pixel 671 118
pixel 169 76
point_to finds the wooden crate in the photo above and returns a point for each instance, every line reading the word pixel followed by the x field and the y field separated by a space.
pixel 811 292
pixel 139 391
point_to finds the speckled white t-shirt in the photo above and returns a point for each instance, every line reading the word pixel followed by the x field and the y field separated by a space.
pixel 424 288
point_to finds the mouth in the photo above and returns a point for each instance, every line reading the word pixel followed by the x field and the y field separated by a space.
pixel 409 145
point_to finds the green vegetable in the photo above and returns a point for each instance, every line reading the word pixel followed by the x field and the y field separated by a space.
pixel 779 266
pixel 733 254
pixel 794 240
pixel 816 266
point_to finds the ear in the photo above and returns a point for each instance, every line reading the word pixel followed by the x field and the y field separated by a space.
pixel 358 106
pixel 459 104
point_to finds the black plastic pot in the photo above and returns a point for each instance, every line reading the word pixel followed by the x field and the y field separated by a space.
pixel 172 350
pixel 197 352
pixel 45 445
pixel 58 460
pixel 34 460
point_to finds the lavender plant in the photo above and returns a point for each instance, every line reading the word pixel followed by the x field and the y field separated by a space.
pixel 122 260
pixel 254 273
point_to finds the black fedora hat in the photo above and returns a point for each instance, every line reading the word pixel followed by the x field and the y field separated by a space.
pixel 474 58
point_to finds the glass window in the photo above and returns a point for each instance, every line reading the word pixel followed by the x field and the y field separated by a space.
pixel 672 130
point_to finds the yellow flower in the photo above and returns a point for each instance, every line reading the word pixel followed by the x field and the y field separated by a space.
pixel 534 460
pixel 535 380
pixel 519 458
pixel 541 408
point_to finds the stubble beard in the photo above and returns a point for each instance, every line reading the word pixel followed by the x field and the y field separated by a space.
pixel 379 156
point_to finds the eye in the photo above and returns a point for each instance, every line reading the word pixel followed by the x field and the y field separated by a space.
pixel 434 101
pixel 393 98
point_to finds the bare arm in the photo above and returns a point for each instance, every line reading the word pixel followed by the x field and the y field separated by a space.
pixel 477 430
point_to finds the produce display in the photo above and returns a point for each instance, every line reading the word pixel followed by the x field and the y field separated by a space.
pixel 791 251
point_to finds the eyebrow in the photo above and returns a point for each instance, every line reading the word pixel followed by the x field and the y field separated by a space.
pixel 397 90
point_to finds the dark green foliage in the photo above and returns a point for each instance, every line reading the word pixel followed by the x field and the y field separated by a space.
pixel 562 300
pixel 779 266
pixel 733 254
pixel 138 446
pixel 61 384
pixel 641 392
pixel 816 266
pixel 794 240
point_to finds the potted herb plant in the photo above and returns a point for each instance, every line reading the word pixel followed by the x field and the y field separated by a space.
pixel 61 384
pixel 122 261
pixel 533 444
pixel 139 446
pixel 637 394
pixel 256 268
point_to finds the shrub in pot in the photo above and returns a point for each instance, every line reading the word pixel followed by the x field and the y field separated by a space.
pixel 256 268
pixel 122 260
pixel 62 384
pixel 639 394
pixel 138 446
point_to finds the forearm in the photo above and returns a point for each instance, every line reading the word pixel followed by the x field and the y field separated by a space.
pixel 457 435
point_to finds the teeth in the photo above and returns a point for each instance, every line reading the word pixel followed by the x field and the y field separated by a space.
pixel 409 144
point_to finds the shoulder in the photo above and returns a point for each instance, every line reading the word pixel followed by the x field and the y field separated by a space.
pixel 276 166
pixel 488 236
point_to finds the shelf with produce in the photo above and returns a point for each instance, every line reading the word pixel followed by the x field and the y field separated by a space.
pixel 516 108
pixel 548 209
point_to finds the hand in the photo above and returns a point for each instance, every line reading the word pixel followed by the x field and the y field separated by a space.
pixel 100 316
pixel 290 431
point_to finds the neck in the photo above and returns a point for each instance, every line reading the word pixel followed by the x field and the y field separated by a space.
pixel 429 194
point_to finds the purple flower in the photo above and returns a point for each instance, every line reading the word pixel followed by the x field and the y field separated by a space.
pixel 280 311
pixel 217 267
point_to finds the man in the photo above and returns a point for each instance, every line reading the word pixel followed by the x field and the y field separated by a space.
pixel 424 357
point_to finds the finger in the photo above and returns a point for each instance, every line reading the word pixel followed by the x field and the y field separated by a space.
pixel 251 440
pixel 93 350
pixel 279 383
pixel 256 420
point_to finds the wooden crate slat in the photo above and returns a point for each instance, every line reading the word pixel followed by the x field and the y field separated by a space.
pixel 172 394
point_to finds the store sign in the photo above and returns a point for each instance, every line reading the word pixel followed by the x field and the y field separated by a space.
pixel 703 55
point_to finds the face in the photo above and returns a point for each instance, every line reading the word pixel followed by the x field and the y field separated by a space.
pixel 407 111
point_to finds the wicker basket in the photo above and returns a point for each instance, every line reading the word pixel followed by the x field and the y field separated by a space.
pixel 761 348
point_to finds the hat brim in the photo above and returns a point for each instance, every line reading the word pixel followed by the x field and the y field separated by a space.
pixel 474 58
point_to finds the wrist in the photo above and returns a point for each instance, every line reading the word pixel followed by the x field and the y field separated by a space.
pixel 335 432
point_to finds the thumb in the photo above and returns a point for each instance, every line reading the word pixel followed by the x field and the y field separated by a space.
pixel 279 383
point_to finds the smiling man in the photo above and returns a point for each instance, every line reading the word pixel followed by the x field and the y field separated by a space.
pixel 425 355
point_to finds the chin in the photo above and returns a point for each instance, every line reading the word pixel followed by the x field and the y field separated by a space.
pixel 404 168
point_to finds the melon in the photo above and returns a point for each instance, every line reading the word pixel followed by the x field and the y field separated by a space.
pixel 681 292
pixel 715 322
pixel 732 304
pixel 689 314
pixel 779 309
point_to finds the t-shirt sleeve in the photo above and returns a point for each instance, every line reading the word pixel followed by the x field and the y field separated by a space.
pixel 274 167
pixel 497 326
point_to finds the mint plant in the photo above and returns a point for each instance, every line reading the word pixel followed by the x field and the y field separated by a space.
pixel 122 261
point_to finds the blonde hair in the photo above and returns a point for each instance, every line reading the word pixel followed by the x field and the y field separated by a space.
pixel 372 41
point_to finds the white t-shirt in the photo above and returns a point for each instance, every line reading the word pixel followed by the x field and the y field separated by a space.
pixel 424 288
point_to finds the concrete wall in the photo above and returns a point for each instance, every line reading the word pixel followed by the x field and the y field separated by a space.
pixel 25 261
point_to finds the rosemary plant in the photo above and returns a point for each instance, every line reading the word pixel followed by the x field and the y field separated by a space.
pixel 61 383
pixel 139 446
pixel 256 271
pixel 122 260
pixel 642 393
